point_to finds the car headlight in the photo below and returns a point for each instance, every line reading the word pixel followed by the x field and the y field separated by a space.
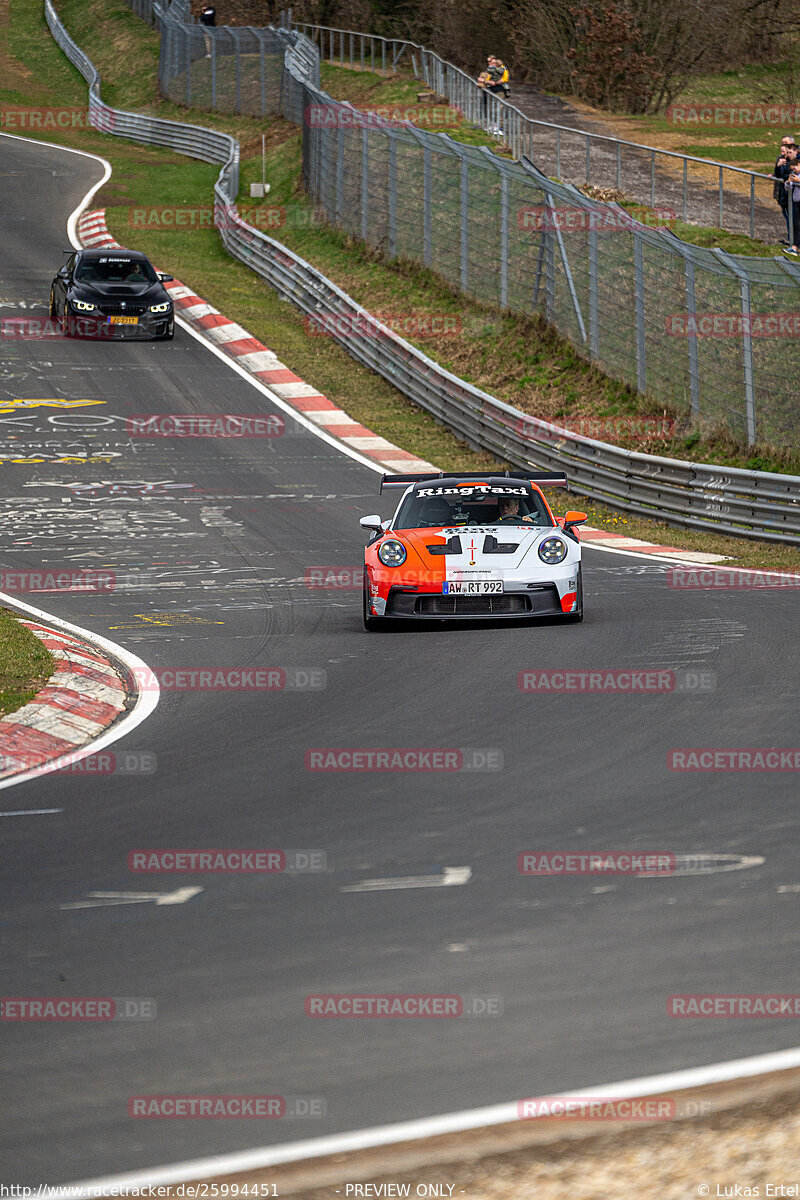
pixel 392 553
pixel 552 550
pixel 161 307
pixel 82 306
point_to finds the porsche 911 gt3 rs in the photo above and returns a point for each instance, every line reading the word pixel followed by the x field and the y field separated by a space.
pixel 472 546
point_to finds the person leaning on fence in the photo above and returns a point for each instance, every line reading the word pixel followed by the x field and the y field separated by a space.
pixel 780 174
pixel 484 79
pixel 497 83
pixel 793 190
pixel 208 17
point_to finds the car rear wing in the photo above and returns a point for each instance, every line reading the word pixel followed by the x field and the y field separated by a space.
pixel 542 478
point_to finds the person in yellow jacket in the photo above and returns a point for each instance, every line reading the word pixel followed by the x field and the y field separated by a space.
pixel 496 82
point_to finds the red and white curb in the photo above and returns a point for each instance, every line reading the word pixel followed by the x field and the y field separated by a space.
pixel 84 695
pixel 263 363
pixel 615 541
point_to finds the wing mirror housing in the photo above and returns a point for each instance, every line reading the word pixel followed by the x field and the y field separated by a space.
pixel 374 522
pixel 166 278
pixel 571 519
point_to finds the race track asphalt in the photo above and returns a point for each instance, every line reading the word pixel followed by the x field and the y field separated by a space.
pixel 211 541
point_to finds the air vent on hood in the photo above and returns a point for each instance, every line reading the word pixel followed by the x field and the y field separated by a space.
pixel 492 546
pixel 452 546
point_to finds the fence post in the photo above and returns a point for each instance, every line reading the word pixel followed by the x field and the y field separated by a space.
pixel 263 80
pixel 427 204
pixel 213 70
pixel 464 223
pixel 594 318
pixel 503 239
pixel 641 343
pixel 747 342
pixel 339 171
pixel 392 194
pixel 238 72
pixel 364 181
pixel 188 44
pixel 691 307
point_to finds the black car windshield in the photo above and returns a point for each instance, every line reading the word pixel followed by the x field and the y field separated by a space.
pixel 115 270
pixel 472 504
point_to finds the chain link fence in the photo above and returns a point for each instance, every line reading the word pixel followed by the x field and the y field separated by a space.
pixel 710 336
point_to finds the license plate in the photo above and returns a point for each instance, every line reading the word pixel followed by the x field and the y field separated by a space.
pixel 123 320
pixel 474 587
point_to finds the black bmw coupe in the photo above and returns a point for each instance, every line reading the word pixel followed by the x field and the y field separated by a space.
pixel 112 293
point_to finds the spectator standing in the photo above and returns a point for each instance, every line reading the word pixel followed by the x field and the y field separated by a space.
pixel 793 190
pixel 780 174
pixel 208 17
pixel 498 83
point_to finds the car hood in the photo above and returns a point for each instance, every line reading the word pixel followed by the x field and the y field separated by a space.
pixel 488 548
pixel 118 293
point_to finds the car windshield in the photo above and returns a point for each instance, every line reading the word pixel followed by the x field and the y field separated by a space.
pixel 115 270
pixel 472 504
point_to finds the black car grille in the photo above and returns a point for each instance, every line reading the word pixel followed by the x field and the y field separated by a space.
pixel 510 604
pixel 116 310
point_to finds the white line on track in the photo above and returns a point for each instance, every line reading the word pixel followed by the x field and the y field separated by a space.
pixel 456 1122
pixel 450 877
pixel 30 812
pixel 145 701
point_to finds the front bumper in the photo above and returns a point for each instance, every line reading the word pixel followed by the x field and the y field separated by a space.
pixel 531 600
pixel 98 327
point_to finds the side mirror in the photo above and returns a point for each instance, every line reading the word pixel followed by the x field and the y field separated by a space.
pixel 373 522
pixel 570 520
pixel 63 273
pixel 166 278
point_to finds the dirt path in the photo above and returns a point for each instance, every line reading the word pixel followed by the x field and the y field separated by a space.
pixel 702 193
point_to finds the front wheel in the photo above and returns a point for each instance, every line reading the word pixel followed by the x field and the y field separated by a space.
pixel 576 617
pixel 52 304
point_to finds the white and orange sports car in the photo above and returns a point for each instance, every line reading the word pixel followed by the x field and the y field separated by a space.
pixel 472 546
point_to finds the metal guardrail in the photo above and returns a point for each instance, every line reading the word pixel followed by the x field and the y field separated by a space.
pixel 753 504
pixel 365 51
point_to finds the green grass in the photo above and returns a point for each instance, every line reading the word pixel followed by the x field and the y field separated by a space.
pixel 512 356
pixel 25 664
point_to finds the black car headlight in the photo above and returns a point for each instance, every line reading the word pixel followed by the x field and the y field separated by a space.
pixel 161 307
pixel 552 550
pixel 392 553
pixel 83 306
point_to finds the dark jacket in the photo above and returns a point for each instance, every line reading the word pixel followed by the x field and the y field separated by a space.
pixel 781 169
